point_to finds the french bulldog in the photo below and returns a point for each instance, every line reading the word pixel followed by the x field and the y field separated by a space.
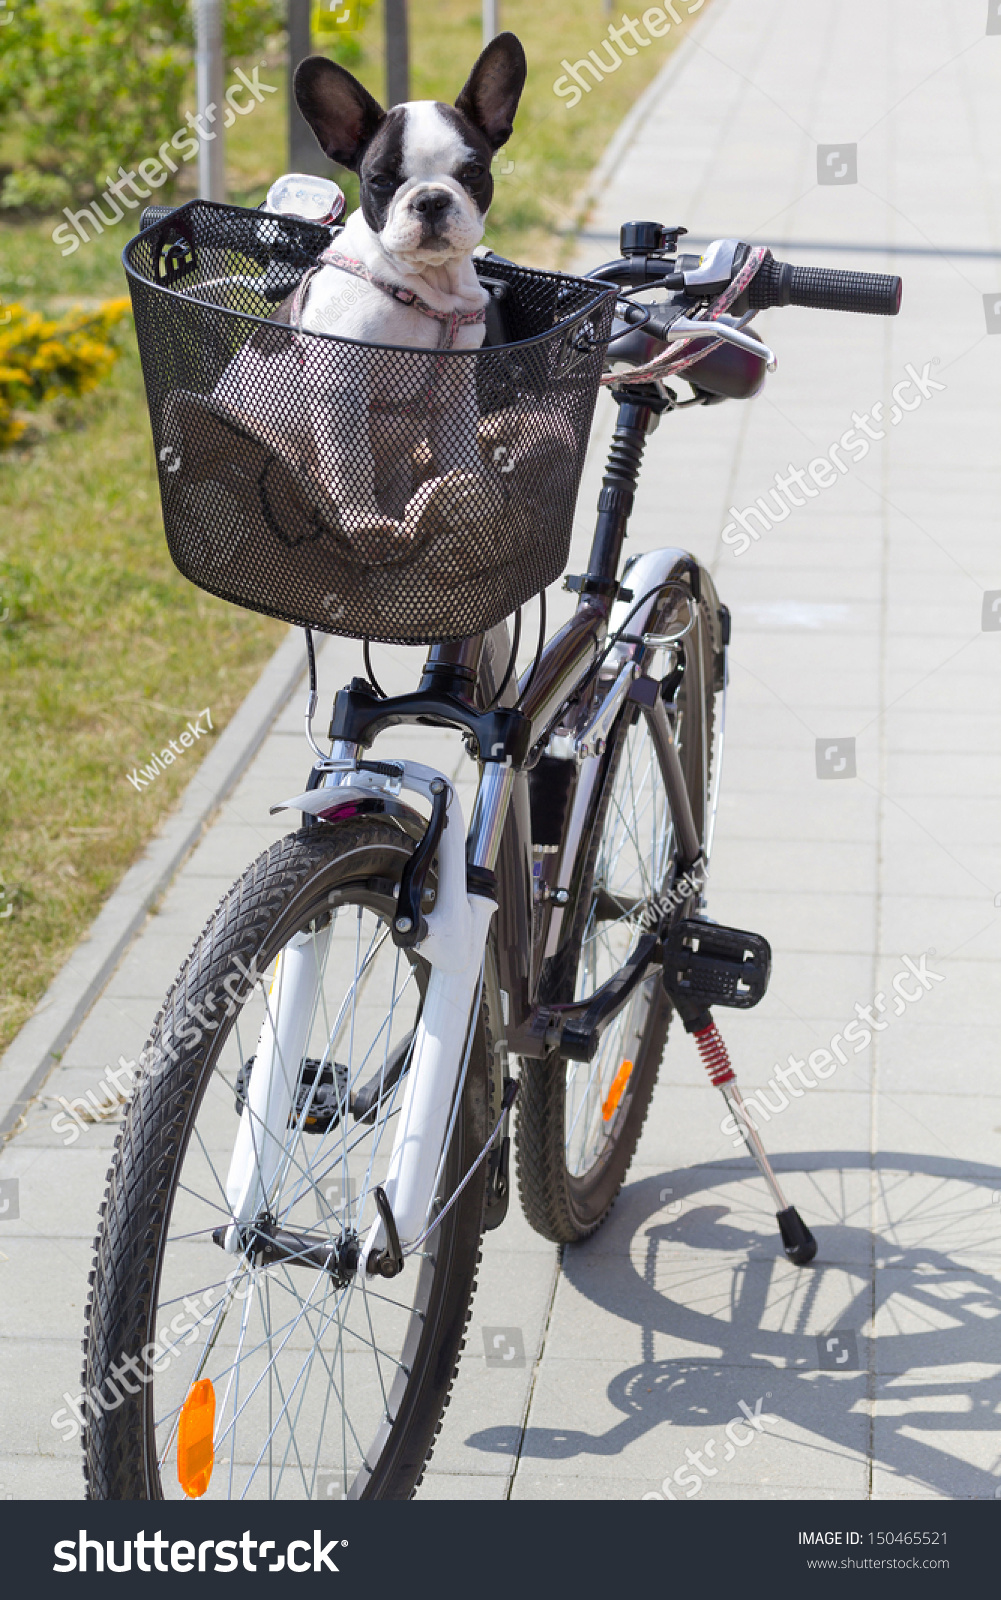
pixel 401 273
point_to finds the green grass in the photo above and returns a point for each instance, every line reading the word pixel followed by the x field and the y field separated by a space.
pixel 106 651
pixel 104 656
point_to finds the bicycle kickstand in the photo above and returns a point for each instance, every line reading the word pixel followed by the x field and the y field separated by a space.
pixel 797 1240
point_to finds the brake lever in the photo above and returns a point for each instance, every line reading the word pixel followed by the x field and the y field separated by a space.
pixel 687 328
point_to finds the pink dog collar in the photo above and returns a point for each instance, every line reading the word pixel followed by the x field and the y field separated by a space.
pixel 450 321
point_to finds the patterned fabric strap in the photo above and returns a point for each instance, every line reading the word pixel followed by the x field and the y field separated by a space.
pixel 681 355
pixel 451 320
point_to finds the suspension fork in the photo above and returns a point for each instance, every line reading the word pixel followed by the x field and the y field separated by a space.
pixel 454 947
pixel 260 1150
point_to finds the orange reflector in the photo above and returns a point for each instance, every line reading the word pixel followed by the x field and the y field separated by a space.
pixel 195 1457
pixel 617 1090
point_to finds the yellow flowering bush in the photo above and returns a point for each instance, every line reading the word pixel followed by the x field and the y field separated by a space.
pixel 42 358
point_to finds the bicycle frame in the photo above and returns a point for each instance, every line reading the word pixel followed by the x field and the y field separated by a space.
pixel 572 695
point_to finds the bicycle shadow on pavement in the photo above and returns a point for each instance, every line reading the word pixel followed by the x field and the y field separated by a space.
pixel 909 1245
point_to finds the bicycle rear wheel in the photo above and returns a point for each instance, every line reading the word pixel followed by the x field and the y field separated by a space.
pixel 579 1122
pixel 323 1386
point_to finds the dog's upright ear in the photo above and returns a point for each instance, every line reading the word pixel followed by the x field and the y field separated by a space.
pixel 339 109
pixel 492 91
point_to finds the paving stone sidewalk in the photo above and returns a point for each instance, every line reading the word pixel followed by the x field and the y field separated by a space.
pixel 858 829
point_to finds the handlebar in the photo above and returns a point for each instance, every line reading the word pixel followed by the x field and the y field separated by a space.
pixel 779 283
pixel 731 280
pixel 154 214
pixel 776 283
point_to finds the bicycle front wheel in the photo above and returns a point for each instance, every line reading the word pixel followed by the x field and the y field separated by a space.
pixel 303 1381
pixel 579 1122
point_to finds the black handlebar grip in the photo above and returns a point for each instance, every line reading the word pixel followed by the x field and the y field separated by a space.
pixel 154 214
pixel 779 283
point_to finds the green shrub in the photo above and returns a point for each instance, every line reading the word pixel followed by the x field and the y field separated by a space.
pixel 89 85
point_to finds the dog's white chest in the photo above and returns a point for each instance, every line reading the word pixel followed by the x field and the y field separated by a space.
pixel 339 303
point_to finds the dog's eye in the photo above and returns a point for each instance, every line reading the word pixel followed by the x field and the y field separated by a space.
pixel 381 180
pixel 473 172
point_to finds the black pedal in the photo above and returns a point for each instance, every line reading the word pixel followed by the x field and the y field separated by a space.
pixel 327 1102
pixel 706 965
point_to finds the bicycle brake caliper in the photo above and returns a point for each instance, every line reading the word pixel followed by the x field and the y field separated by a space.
pixel 409 924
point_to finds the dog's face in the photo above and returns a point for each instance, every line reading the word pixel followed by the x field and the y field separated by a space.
pixel 425 182
pixel 424 167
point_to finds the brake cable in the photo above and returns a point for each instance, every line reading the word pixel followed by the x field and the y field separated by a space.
pixel 671 361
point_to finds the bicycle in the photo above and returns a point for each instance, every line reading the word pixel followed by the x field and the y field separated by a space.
pixel 288 1243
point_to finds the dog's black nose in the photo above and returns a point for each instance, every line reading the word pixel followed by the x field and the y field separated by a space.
pixel 429 205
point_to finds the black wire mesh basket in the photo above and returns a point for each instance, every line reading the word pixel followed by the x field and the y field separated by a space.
pixel 374 491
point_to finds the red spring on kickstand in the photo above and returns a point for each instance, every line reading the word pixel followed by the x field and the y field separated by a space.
pixel 714 1056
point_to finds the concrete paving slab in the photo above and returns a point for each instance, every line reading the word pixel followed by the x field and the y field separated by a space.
pixel 936 1058
pixel 529 1486
pixel 463 1486
pixel 38 1477
pixel 26 1430
pixel 966 1128
pixel 44 1285
pixel 596 1413
pixel 685 1124
pixel 937 1427
pixel 43 1176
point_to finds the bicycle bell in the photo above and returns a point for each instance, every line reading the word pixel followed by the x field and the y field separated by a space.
pixel 307 199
